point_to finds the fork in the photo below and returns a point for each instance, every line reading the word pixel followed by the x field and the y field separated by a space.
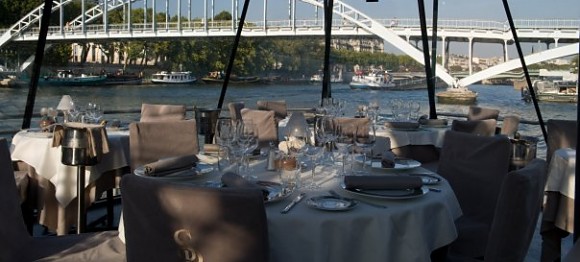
pixel 334 194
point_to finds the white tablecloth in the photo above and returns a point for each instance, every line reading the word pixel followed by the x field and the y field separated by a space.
pixel 408 230
pixel 561 172
pixel 36 150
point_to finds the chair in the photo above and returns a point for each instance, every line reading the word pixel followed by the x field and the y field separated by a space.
pixel 266 124
pixel 476 127
pixel 192 223
pixel 154 112
pixel 510 125
pixel 517 212
pixel 279 107
pixel 235 109
pixel 17 245
pixel 475 167
pixel 482 113
pixel 561 134
pixel 150 141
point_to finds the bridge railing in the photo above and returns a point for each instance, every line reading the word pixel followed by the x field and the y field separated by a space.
pixel 394 23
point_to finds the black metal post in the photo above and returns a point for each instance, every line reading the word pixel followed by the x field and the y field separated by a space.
pixel 577 181
pixel 39 55
pixel 81 215
pixel 434 48
pixel 233 54
pixel 525 68
pixel 428 72
pixel 326 89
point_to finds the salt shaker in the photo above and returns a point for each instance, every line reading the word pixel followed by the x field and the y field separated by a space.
pixel 271 159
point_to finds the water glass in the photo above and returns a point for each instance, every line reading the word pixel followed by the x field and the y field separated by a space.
pixel 365 138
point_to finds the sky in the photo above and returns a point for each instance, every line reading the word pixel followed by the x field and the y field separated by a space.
pixel 384 9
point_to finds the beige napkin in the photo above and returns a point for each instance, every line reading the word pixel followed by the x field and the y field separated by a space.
pixel 234 180
pixel 98 142
pixel 169 165
pixel 388 159
pixel 382 182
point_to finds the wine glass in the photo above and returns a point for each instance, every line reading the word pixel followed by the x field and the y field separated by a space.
pixel 365 138
pixel 313 153
pixel 225 135
pixel 343 143
pixel 248 139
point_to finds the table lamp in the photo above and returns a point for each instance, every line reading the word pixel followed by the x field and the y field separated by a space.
pixel 65 105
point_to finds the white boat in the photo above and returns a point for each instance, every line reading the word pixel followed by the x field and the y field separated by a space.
pixel 562 91
pixel 372 80
pixel 165 77
pixel 319 77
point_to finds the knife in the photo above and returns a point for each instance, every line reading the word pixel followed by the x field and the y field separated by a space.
pixel 293 203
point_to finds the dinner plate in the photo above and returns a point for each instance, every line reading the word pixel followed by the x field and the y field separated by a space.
pixel 331 203
pixel 400 163
pixel 199 170
pixel 428 179
pixel 390 194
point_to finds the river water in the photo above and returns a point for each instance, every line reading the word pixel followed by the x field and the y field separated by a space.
pixel 504 98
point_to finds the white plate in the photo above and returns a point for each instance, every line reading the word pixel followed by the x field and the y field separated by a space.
pixel 199 170
pixel 400 163
pixel 331 203
pixel 390 194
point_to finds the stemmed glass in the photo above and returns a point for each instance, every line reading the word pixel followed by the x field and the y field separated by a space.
pixel 365 138
pixel 225 136
pixel 343 143
pixel 313 153
pixel 414 109
pixel 248 140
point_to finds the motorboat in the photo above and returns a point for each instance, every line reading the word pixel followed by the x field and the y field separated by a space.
pixel 165 77
pixel 376 80
pixel 559 91
pixel 218 77
pixel 71 78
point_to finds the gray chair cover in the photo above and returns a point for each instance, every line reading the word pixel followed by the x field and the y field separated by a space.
pixel 17 245
pixel 561 134
pixel 235 109
pixel 154 112
pixel 279 107
pixel 172 222
pixel 266 124
pixel 516 213
pixel 510 125
pixel 475 167
pixel 482 113
pixel 151 141
pixel 477 127
pixel 349 124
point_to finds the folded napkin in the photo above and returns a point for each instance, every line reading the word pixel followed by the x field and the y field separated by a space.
pixel 388 159
pixel 234 180
pixel 97 139
pixel 382 182
pixel 169 165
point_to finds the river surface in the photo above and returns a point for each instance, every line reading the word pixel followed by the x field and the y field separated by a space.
pixel 504 98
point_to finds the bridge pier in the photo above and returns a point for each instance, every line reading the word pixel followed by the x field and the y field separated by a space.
pixel 470 62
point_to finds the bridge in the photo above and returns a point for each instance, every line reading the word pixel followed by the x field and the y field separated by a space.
pixel 404 34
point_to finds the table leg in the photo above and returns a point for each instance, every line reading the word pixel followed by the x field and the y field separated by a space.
pixel 81 215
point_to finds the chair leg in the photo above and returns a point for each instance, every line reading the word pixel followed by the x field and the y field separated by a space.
pixel 110 208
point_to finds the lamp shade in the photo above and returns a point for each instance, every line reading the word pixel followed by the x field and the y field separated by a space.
pixel 297 125
pixel 65 103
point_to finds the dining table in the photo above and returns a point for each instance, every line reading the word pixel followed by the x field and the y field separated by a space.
pixel 57 181
pixel 558 211
pixel 401 227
